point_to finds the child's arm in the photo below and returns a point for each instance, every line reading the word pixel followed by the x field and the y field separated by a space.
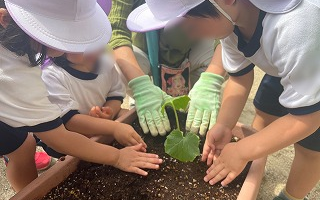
pixel 109 110
pixel 115 105
pixel 130 159
pixel 281 133
pixel 234 99
pixel 90 126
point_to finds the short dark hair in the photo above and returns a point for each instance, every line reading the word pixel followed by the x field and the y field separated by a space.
pixel 204 10
pixel 17 41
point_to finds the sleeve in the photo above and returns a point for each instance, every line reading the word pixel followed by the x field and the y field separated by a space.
pixel 118 88
pixel 59 94
pixel 234 62
pixel 298 59
pixel 121 35
pixel 216 43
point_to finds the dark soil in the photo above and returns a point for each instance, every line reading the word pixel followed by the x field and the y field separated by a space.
pixel 174 180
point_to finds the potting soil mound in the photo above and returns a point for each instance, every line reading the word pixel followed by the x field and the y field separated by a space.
pixel 174 180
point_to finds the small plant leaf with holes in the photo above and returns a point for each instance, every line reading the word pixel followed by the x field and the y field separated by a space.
pixel 178 103
pixel 183 148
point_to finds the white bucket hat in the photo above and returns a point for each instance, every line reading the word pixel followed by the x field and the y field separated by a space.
pixel 156 14
pixel 67 25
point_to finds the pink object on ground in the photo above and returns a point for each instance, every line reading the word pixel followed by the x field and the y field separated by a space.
pixel 42 160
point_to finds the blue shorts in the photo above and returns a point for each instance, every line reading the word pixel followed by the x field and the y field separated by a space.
pixel 12 138
pixel 267 100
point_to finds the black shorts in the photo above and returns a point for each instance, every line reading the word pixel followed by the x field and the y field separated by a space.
pixel 12 138
pixel 267 100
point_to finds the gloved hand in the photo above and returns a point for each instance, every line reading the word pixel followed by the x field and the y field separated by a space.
pixel 149 99
pixel 205 103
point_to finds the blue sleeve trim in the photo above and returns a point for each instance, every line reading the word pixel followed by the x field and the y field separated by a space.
pixel 118 98
pixel 304 110
pixel 69 115
pixel 47 126
pixel 243 71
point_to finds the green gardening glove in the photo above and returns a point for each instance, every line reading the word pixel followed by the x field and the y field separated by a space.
pixel 205 103
pixel 149 99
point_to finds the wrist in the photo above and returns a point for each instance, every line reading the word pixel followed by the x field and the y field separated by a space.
pixel 115 158
pixel 212 78
pixel 224 127
pixel 244 150
pixel 140 82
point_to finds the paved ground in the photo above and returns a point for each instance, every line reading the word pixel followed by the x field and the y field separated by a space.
pixel 277 167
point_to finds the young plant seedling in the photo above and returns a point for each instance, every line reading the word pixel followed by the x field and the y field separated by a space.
pixel 184 147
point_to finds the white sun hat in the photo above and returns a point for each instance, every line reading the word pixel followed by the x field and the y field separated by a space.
pixel 67 25
pixel 156 14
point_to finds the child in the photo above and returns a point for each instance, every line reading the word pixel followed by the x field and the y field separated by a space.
pixel 88 84
pixel 50 28
pixel 282 38
pixel 83 86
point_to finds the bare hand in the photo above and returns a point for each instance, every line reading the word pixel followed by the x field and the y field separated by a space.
pixel 131 159
pixel 227 166
pixel 127 136
pixel 104 112
pixel 218 136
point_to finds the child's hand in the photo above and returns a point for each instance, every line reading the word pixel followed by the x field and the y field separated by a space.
pixel 104 112
pixel 131 159
pixel 229 164
pixel 218 136
pixel 127 136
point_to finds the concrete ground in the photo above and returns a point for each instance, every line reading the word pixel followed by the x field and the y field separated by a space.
pixel 278 165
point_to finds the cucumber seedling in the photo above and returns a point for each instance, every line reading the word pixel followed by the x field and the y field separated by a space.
pixel 183 147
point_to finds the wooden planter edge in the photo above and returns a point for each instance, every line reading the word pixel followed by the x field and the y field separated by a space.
pixel 65 166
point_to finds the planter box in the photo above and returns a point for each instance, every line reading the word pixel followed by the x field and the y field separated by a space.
pixel 65 166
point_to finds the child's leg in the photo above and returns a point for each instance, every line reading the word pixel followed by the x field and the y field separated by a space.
pixel 260 121
pixel 21 169
pixel 304 173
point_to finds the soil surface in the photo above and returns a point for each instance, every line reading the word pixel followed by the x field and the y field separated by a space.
pixel 277 168
pixel 174 180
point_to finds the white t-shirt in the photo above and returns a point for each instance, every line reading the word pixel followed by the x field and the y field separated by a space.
pixel 284 45
pixel 24 98
pixel 77 92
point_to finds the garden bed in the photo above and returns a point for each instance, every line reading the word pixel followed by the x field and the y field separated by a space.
pixel 174 180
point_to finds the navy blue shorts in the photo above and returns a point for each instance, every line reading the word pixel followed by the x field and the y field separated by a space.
pixel 12 138
pixel 267 100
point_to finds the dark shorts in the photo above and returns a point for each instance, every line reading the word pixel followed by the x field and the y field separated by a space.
pixel 267 100
pixel 12 138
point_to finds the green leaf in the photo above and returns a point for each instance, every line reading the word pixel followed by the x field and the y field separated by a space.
pixel 178 103
pixel 183 148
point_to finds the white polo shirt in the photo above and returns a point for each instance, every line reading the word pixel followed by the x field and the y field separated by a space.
pixel 284 45
pixel 24 99
pixel 77 92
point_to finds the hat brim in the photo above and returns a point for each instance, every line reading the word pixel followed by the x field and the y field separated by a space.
pixel 67 36
pixel 276 6
pixel 142 20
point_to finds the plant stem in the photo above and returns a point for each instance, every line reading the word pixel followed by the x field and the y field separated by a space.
pixel 176 115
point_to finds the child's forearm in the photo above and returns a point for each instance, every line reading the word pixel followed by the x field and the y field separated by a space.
pixel 91 126
pixel 115 105
pixel 234 99
pixel 281 133
pixel 216 66
pixel 74 144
